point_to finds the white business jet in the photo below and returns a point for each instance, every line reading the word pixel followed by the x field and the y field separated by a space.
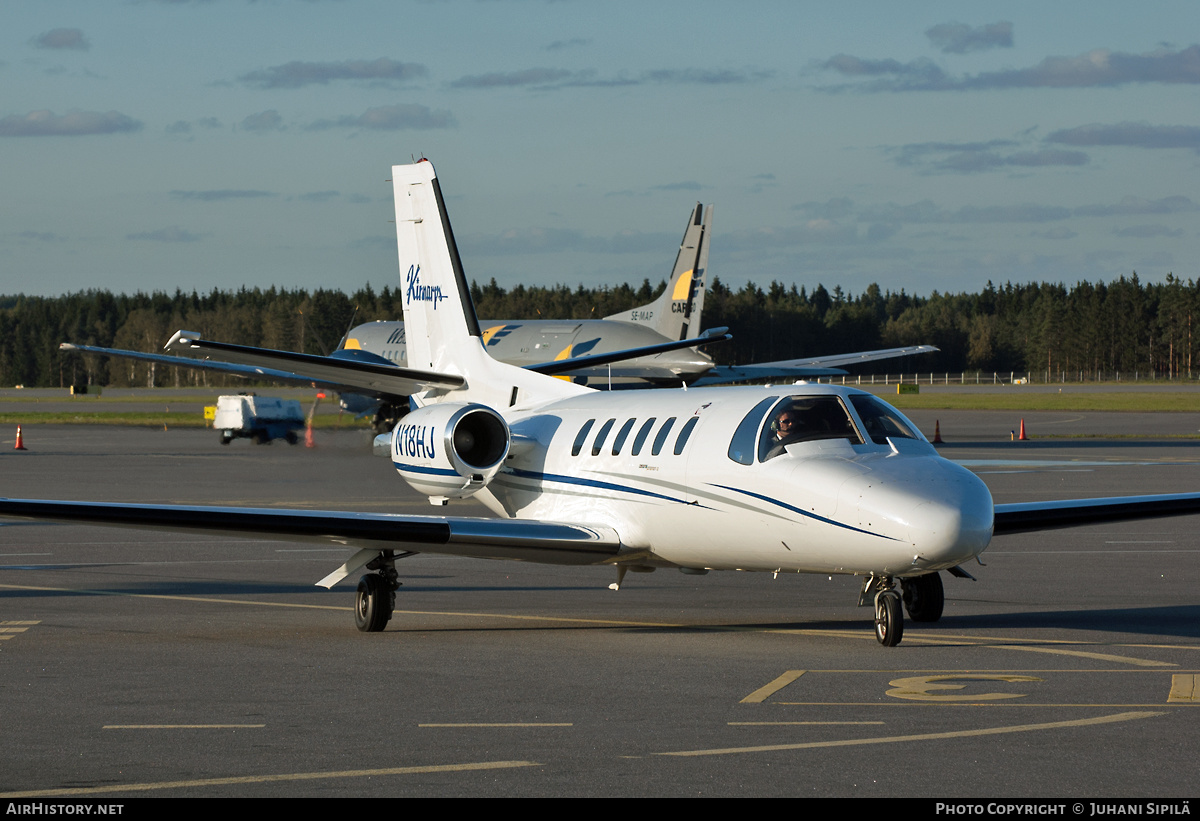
pixel 800 478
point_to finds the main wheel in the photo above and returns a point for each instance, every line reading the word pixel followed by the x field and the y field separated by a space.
pixel 924 598
pixel 889 619
pixel 373 604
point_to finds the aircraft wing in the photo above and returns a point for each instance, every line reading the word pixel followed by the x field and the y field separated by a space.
pixel 838 359
pixel 522 540
pixel 373 376
pixel 805 367
pixel 1024 517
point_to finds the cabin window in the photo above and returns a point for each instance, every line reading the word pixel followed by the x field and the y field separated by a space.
pixel 662 436
pixel 741 447
pixel 881 420
pixel 681 442
pixel 601 436
pixel 640 439
pixel 805 419
pixel 622 435
pixel 579 440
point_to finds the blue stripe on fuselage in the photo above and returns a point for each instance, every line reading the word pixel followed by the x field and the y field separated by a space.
pixel 400 466
pixel 804 513
pixel 574 480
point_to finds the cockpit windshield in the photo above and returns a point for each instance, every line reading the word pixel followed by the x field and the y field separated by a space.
pixel 881 420
pixel 805 419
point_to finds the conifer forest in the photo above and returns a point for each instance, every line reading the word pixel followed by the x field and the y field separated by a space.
pixel 1049 330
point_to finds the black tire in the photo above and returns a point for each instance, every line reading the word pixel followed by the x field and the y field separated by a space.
pixel 226 439
pixel 889 619
pixel 373 604
pixel 291 437
pixel 924 598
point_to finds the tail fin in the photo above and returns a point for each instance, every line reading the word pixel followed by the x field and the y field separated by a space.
pixel 676 312
pixel 441 329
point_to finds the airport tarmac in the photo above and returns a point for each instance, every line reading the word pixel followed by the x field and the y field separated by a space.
pixel 136 663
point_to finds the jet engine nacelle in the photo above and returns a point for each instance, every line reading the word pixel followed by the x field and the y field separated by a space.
pixel 450 450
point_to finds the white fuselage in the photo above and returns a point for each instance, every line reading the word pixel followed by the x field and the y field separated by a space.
pixel 831 505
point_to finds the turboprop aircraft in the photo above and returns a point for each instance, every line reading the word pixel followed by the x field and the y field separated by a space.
pixel 790 478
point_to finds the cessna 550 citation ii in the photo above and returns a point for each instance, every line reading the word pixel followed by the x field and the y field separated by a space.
pixel 800 478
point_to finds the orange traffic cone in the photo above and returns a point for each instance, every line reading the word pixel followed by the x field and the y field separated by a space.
pixel 20 442
pixel 1022 437
pixel 937 432
pixel 309 442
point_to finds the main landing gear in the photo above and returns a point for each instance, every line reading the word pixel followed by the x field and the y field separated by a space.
pixel 376 597
pixel 922 597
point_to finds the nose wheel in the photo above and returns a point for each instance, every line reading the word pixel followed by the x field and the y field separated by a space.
pixel 889 618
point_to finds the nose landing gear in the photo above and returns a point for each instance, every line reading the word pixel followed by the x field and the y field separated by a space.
pixel 889 618
pixel 889 611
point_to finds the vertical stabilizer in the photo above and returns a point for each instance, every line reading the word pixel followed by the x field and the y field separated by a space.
pixel 441 330
pixel 435 292
pixel 676 312
pixel 695 306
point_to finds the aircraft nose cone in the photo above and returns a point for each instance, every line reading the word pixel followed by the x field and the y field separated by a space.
pixel 940 509
pixel 954 522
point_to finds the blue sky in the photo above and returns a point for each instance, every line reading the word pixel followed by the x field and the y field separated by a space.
pixel 920 145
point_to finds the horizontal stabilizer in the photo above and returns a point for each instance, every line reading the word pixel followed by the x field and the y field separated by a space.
pixel 380 379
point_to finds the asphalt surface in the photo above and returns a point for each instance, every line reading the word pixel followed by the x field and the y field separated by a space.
pixel 135 663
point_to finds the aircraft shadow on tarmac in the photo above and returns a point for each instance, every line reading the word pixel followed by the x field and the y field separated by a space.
pixel 1179 621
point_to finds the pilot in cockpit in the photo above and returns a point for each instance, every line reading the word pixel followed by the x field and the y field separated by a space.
pixel 806 419
pixel 785 430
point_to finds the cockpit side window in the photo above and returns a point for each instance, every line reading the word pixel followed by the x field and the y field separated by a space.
pixel 805 419
pixel 881 420
pixel 741 447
